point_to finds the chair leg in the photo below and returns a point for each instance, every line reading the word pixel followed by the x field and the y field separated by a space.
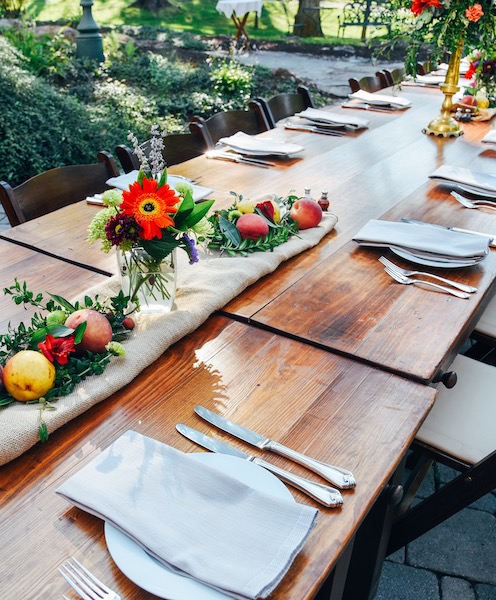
pixel 469 486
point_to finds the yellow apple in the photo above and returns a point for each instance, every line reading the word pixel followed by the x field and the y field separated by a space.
pixel 28 375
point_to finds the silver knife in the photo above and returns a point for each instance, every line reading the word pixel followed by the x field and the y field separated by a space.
pixel 265 164
pixel 457 229
pixel 314 129
pixel 324 494
pixel 342 478
pixel 371 107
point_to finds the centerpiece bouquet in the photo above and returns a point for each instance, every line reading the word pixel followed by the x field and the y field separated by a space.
pixel 481 93
pixel 146 224
pixel 445 26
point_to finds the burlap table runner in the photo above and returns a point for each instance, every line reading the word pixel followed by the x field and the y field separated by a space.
pixel 202 289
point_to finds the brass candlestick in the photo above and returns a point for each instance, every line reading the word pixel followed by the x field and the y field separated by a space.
pixel 445 125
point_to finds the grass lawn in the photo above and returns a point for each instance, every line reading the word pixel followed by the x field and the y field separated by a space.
pixel 196 17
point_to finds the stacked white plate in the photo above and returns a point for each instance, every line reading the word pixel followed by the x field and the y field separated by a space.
pixel 479 184
pixel 393 102
pixel 255 146
pixel 323 117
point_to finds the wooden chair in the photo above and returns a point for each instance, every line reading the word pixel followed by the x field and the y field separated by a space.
pixel 459 432
pixel 56 188
pixel 177 149
pixel 393 77
pixel 424 68
pixel 386 77
pixel 229 122
pixel 284 105
pixel 370 83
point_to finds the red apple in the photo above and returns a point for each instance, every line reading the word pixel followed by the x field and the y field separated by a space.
pixel 307 213
pixel 98 331
pixel 469 100
pixel 252 227
pixel 128 323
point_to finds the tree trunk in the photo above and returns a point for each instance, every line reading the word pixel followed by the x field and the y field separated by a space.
pixel 307 20
pixel 152 5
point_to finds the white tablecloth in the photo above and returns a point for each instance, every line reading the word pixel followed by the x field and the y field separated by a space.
pixel 239 7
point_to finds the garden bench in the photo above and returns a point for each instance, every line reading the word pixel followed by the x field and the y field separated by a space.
pixel 365 13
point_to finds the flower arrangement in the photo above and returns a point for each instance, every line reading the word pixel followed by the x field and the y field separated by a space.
pixel 482 72
pixel 444 25
pixel 45 359
pixel 148 222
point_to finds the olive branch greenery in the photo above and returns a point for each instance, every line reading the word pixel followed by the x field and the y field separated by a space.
pixel 27 336
pixel 227 238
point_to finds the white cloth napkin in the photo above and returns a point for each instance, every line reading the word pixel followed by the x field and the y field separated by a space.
pixel 192 517
pixel 381 99
pixel 324 116
pixel 249 144
pixel 467 177
pixel 424 241
pixel 490 137
pixel 122 182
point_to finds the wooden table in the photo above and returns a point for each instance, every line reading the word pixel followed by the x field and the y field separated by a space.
pixel 247 365
pixel 327 406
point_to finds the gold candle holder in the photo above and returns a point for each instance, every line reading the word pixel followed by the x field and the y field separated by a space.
pixel 444 125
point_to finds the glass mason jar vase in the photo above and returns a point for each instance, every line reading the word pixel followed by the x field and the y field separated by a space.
pixel 149 282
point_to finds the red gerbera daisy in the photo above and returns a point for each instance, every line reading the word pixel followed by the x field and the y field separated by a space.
pixel 418 6
pixel 151 206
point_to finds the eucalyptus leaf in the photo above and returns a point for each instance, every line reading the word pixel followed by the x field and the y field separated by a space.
pixel 230 231
pixel 63 302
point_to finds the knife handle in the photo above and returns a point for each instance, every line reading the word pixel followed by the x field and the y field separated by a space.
pixel 341 477
pixel 324 494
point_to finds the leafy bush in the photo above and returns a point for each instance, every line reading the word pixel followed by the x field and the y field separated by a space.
pixel 57 110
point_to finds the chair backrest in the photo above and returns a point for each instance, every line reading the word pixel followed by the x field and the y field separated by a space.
pixel 227 123
pixel 177 148
pixel 370 83
pixel 386 77
pixel 56 188
pixel 424 68
pixel 395 76
pixel 284 105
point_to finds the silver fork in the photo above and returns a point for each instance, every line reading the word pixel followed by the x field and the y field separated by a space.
pixel 460 286
pixel 84 582
pixel 473 203
pixel 406 280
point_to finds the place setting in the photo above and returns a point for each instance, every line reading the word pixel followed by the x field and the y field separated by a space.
pixel 248 149
pixel 424 244
pixel 473 182
pixel 325 122
pixel 170 519
pixel 364 100
pixel 123 182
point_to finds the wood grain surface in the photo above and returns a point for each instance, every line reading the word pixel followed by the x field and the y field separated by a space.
pixel 329 407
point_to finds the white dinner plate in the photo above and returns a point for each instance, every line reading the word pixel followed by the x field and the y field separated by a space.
pixel 151 575
pixel 402 253
pixel 249 152
pixel 476 191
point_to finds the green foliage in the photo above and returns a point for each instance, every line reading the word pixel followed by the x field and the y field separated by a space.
pixel 12 8
pixel 58 110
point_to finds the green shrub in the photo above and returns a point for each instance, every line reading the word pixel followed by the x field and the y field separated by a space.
pixel 57 110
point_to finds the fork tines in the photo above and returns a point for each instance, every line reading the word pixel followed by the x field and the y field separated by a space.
pixel 84 582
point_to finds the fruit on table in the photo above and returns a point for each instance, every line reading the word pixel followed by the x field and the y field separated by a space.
pixel 28 375
pixel 98 331
pixel 1 377
pixel 469 100
pixel 307 213
pixel 252 227
pixel 482 101
pixel 248 206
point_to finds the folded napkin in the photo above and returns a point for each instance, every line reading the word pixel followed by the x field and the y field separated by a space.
pixel 425 241
pixel 323 116
pixel 249 144
pixel 478 181
pixel 122 182
pixel 381 99
pixel 192 517
pixel 490 137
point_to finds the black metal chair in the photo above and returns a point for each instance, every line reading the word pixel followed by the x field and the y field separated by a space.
pixel 177 149
pixel 56 188
pixel 459 432
pixel 227 123
pixel 284 105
